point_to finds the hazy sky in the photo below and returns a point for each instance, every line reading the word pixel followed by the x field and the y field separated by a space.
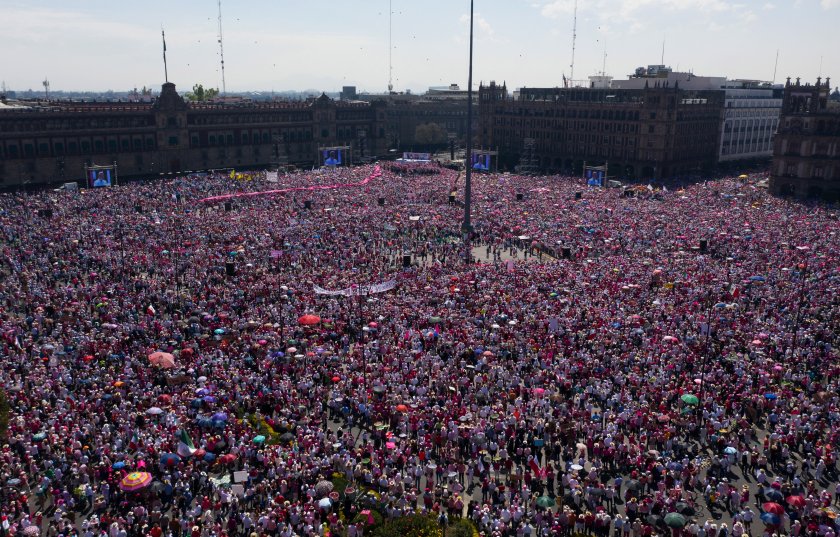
pixel 300 44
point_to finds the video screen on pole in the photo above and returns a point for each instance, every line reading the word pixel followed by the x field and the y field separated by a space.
pixel 332 157
pixel 99 178
pixel 481 162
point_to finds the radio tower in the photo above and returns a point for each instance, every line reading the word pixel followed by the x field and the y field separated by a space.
pixel 390 49
pixel 46 84
pixel 222 50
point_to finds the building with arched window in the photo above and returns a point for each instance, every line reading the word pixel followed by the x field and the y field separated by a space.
pixel 806 159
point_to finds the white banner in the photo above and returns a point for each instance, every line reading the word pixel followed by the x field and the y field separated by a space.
pixel 416 156
pixel 357 290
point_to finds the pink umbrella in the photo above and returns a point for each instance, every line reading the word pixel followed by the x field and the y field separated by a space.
pixel 162 359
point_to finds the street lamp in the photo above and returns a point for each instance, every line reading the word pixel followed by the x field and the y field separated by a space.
pixel 466 227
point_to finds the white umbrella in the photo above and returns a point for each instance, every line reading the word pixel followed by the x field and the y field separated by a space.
pixel 576 467
pixel 154 411
pixel 325 503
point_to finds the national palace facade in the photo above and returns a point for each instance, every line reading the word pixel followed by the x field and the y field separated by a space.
pixel 52 142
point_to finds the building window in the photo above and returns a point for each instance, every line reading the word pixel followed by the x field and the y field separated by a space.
pixel 138 144
pixel 150 143
pixel 325 133
pixel 112 146
pixel 85 146
pixel 58 147
pixel 98 146
pixel 44 149
pixel 212 139
pixel 173 140
pixel 126 145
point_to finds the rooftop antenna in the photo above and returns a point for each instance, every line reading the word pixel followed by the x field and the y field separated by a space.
pixel 222 50
pixel 46 84
pixel 604 64
pixel 165 71
pixel 820 73
pixel 390 49
pixel 574 39
pixel 776 66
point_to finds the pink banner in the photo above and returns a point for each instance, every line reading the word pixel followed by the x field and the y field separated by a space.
pixel 377 172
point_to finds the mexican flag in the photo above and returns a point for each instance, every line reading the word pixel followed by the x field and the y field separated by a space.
pixel 185 444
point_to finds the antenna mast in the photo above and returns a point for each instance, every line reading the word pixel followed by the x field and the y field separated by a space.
pixel 390 49
pixel 574 39
pixel 604 64
pixel 776 66
pixel 222 50
pixel 46 84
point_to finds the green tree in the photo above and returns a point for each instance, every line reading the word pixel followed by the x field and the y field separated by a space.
pixel 198 93
pixel 429 134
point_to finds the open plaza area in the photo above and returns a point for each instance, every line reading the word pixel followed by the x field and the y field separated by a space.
pixel 219 355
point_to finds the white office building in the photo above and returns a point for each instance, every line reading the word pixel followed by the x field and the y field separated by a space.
pixel 751 108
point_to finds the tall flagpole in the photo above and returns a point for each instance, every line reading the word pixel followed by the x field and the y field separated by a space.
pixel 466 227
pixel 165 71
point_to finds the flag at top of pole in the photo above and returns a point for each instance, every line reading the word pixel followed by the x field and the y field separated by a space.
pixel 165 72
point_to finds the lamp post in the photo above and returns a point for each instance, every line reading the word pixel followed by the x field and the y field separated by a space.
pixel 466 227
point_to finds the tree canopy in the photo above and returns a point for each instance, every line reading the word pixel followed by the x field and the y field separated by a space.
pixel 198 93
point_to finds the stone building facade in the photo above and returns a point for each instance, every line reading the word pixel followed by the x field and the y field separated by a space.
pixel 52 142
pixel 806 159
pixel 656 132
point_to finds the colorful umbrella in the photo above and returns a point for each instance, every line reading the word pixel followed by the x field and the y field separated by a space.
pixel 162 359
pixel 675 520
pixel 309 320
pixel 690 399
pixel 259 439
pixel 773 507
pixel 795 501
pixel 770 519
pixel 136 481
pixel 774 494
pixel 169 459
pixel 545 502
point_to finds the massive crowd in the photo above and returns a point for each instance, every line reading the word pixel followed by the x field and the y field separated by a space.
pixel 658 362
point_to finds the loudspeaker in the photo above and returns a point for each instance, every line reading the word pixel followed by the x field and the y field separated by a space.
pixel 307 204
pixel 578 195
pixel 519 197
pixel 451 199
pixel 567 252
pixel 704 245
pixel 45 213
pixel 406 260
pixel 228 206
pixel 381 201
pixel 230 269
pixel 138 209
